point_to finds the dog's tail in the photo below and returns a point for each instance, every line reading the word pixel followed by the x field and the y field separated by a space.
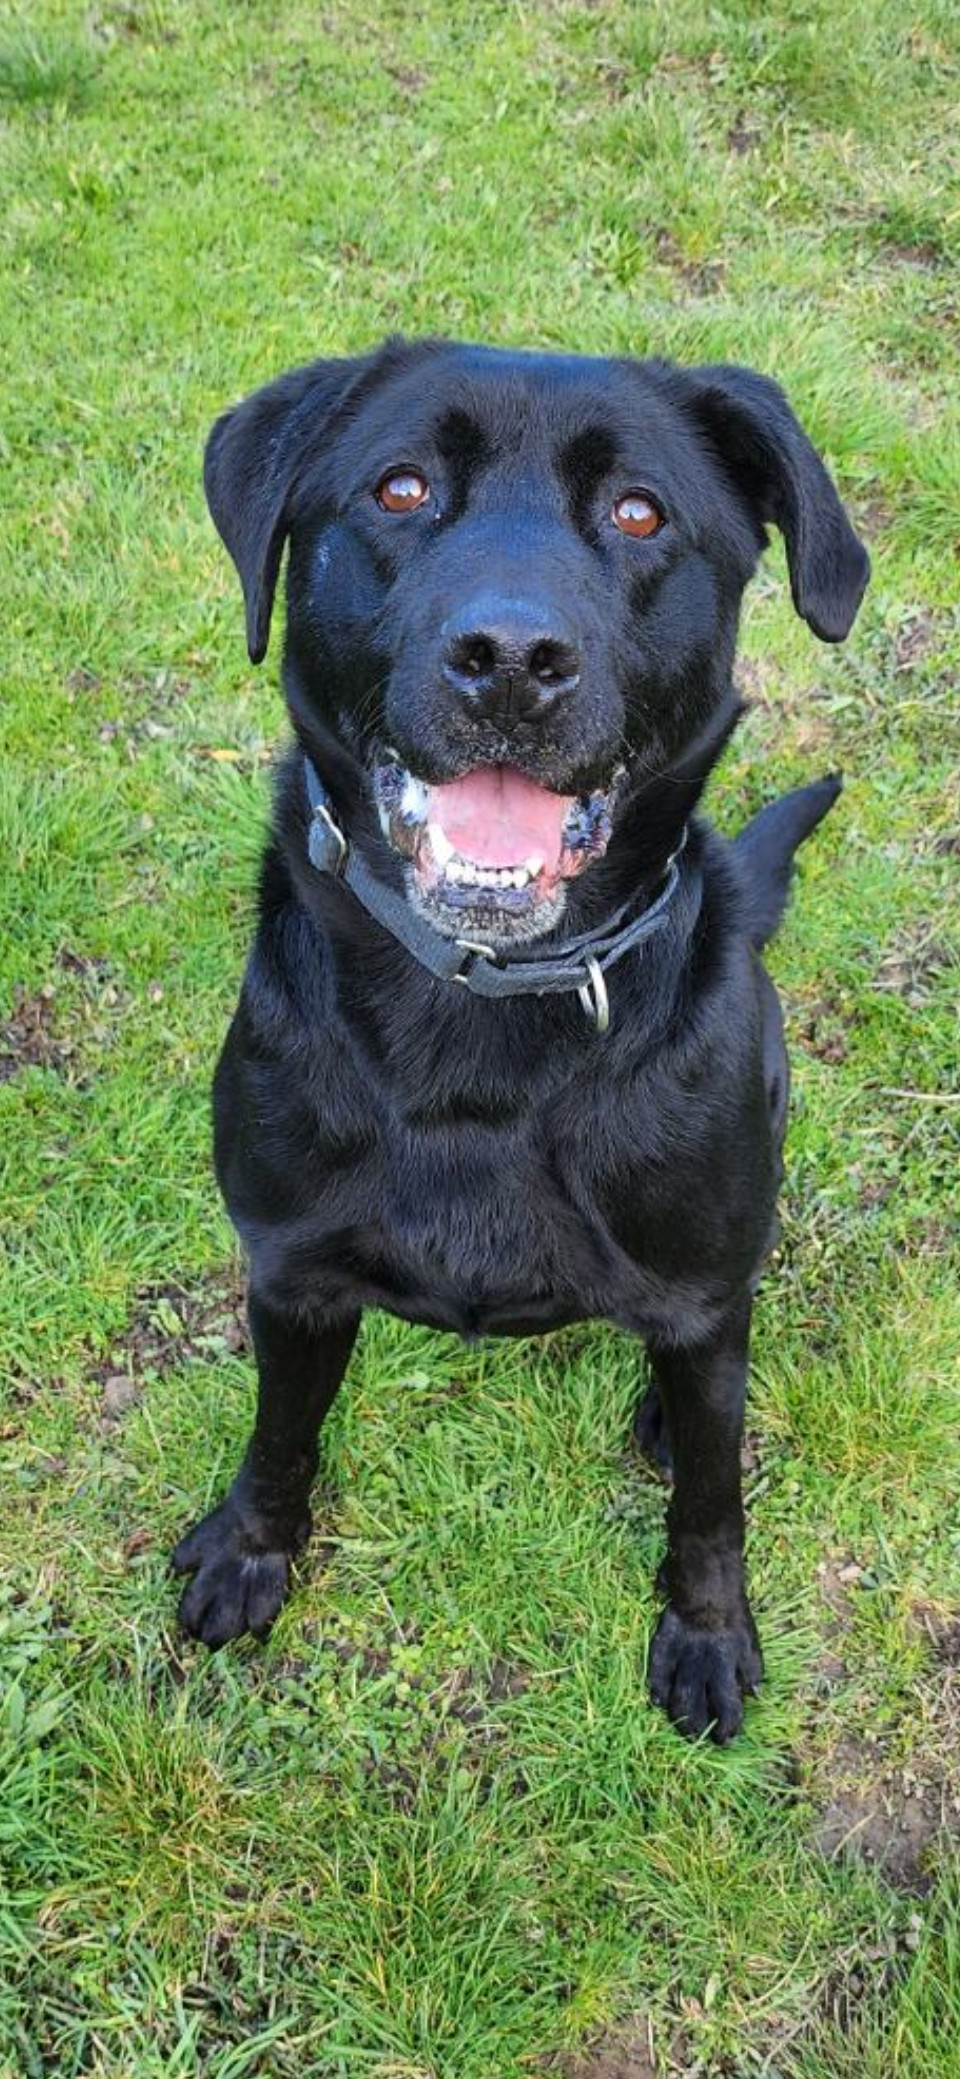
pixel 765 847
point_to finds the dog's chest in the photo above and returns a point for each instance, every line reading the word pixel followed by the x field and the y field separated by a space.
pixel 485 1228
pixel 488 1212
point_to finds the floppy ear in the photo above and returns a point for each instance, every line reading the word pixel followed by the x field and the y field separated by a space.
pixel 768 454
pixel 252 460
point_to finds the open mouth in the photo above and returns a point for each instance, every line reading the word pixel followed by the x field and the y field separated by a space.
pixel 492 850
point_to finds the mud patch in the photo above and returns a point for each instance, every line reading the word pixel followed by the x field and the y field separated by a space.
pixel 172 1324
pixel 837 1577
pixel 743 136
pixel 922 253
pixel 411 79
pixel 701 277
pixel 872 515
pixel 625 2052
pixel 892 1797
pixel 85 965
pixel 914 640
pixel 893 1819
pixel 940 1629
pixel 913 964
pixel 821 1027
pixel 887 1795
pixel 29 1039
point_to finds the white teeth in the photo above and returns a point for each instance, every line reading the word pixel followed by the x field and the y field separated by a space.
pixel 465 875
pixel 534 865
pixel 384 814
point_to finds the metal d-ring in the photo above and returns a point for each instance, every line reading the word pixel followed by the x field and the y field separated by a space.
pixel 593 995
pixel 474 951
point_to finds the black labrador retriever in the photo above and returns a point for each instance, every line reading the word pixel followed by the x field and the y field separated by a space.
pixel 505 1055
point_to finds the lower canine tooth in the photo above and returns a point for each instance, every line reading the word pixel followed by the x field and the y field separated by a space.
pixel 534 865
pixel 413 800
pixel 440 845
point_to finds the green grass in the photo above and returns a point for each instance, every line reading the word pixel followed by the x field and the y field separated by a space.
pixel 433 1830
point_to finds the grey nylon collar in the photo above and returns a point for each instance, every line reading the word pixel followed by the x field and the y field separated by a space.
pixel 579 964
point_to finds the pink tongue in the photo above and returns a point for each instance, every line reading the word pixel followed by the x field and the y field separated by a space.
pixel 497 817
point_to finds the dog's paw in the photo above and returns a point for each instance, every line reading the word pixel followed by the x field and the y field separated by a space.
pixel 240 1579
pixel 650 1432
pixel 701 1677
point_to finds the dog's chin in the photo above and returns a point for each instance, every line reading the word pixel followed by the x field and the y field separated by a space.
pixel 490 855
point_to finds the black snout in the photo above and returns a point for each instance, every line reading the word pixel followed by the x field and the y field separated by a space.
pixel 509 661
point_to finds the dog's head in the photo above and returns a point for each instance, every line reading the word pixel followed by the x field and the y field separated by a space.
pixel 514 587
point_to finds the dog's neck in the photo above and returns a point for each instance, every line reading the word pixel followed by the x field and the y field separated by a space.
pixel 630 878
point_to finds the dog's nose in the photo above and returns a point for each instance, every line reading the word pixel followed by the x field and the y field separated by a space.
pixel 509 661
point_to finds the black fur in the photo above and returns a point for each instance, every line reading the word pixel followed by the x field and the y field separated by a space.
pixel 385 1140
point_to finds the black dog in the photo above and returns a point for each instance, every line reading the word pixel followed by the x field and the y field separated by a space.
pixel 505 1055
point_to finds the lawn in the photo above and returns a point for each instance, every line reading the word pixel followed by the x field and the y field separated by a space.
pixel 433 1829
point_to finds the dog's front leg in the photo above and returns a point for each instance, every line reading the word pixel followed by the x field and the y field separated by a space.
pixel 706 1654
pixel 240 1555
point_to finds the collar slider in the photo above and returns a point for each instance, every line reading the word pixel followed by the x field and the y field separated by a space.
pixel 326 843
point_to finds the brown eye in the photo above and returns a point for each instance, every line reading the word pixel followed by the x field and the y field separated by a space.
pixel 635 513
pixel 402 491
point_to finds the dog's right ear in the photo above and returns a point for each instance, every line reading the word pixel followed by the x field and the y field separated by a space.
pixel 252 460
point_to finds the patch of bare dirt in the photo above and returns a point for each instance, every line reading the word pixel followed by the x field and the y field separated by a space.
pixel 83 964
pixel 921 253
pixel 837 1578
pixel 702 277
pixel 743 136
pixel 760 683
pixel 872 514
pixel 29 1039
pixel 892 1807
pixel 624 2052
pixel 914 640
pixel 822 1027
pixel 890 1815
pixel 412 79
pixel 616 82
pixel 171 1325
pixel 940 1629
pixel 913 963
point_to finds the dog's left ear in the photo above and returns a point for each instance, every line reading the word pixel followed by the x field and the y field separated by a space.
pixel 253 457
pixel 766 451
